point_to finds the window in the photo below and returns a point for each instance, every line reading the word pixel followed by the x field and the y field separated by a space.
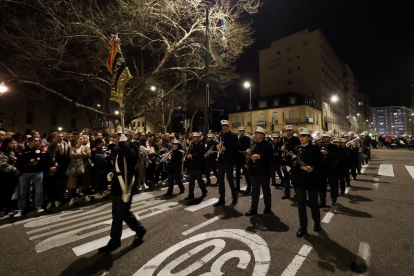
pixel 292 113
pixel 292 100
pixel 249 119
pixel 289 49
pixel 261 116
pixel 262 104
pixel 242 120
pixel 274 117
pixel 278 53
pixel 53 121
pixel 73 109
pixel 290 81
pixel 275 102
pixel 360 103
pixel 30 103
pixel 236 119
pixel 306 43
pixel 289 60
pixel 139 124
pixel 298 57
pixel 298 68
pixel 143 124
pixel 29 117
pixel 73 122
pixel 298 79
pixel 289 71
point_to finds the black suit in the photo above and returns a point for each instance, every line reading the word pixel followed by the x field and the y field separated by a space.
pixel 210 161
pixel 120 209
pixel 196 168
pixel 226 164
pixel 259 172
pixel 174 171
pixel 289 143
pixel 276 164
pixel 244 144
pixel 307 184
pixel 329 172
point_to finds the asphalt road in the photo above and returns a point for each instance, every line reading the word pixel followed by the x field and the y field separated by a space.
pixel 369 232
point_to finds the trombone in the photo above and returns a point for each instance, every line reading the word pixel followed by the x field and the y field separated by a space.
pixel 300 161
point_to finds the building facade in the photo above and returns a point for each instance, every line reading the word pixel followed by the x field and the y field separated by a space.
pixel 351 97
pixel 391 120
pixel 274 112
pixel 23 113
pixel 305 63
pixel 363 113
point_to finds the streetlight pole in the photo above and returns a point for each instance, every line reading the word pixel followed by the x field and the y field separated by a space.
pixel 207 67
pixel 248 85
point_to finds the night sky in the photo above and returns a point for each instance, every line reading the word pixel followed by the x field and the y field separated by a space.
pixel 376 39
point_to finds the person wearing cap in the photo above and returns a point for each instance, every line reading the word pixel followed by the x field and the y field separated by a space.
pixel 343 165
pixel 329 172
pixel 123 179
pixel 228 147
pixel 317 140
pixel 174 168
pixel 288 143
pixel 353 154
pixel 276 164
pixel 244 144
pixel 307 180
pixel 210 160
pixel 195 166
pixel 259 168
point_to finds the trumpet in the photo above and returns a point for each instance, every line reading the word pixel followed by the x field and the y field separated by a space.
pixel 164 158
pixel 349 143
pixel 210 151
pixel 300 161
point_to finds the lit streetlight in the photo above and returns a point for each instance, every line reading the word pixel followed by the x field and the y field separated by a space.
pixel 60 129
pixel 248 85
pixel 3 88
pixel 116 112
pixel 358 114
pixel 153 88
pixel 99 105
pixel 334 98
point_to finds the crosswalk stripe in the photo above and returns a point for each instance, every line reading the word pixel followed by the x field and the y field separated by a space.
pixel 363 167
pixel 210 221
pixel 201 205
pixel 297 262
pixel 386 170
pixel 410 170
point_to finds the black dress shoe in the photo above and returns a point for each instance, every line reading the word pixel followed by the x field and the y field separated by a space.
pixel 359 172
pixel 204 195
pixel 218 203
pixel 317 227
pixel 333 203
pixel 234 202
pixel 138 238
pixel 285 197
pixel 301 233
pixel 182 191
pixel 250 213
pixel 247 192
pixel 189 198
pixel 342 193
pixel 109 247
pixel 167 194
pixel 322 204
pixel 273 184
pixel 267 211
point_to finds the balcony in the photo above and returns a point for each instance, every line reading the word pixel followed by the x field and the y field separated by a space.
pixel 307 120
pixel 293 121
pixel 261 123
pixel 237 124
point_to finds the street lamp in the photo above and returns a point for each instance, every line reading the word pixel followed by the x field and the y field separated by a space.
pixel 153 88
pixel 3 88
pixel 99 105
pixel 60 129
pixel 248 85
pixel 116 112
pixel 358 114
pixel 334 98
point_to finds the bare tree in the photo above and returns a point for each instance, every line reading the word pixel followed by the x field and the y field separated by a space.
pixel 62 47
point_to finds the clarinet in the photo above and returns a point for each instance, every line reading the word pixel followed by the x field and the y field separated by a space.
pixel 219 149
pixel 248 155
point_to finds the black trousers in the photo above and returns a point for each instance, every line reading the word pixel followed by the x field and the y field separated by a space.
pixel 276 169
pixel 120 213
pixel 286 181
pixel 343 175
pixel 264 183
pixel 333 184
pixel 52 188
pixel 210 166
pixel 9 182
pixel 313 200
pixel 226 169
pixel 239 167
pixel 192 177
pixel 177 178
pixel 101 182
pixel 353 163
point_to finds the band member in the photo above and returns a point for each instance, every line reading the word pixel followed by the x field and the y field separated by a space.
pixel 306 180
pixel 276 164
pixel 288 143
pixel 329 171
pixel 195 166
pixel 343 168
pixel 228 147
pixel 174 168
pixel 210 157
pixel 353 154
pixel 123 178
pixel 259 168
pixel 244 144
pixel 317 140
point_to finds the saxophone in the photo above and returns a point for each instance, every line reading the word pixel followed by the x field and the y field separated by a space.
pixel 248 155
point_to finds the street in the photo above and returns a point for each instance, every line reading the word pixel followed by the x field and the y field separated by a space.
pixel 369 232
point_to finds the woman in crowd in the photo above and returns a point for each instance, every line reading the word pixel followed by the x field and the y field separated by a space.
pixel 9 175
pixel 143 161
pixel 54 168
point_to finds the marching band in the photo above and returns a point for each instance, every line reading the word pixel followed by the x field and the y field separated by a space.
pixel 304 161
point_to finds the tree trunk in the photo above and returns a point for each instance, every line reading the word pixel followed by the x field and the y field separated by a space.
pixel 192 119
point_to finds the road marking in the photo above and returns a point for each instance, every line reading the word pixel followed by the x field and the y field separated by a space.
pixel 363 258
pixel 410 169
pixel 346 190
pixel 363 167
pixel 375 183
pixel 330 214
pixel 201 205
pixel 216 240
pixel 297 262
pixel 386 170
pixel 210 221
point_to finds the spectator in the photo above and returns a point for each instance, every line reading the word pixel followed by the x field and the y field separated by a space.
pixel 9 134
pixel 55 166
pixel 2 136
pixel 31 162
pixel 78 151
pixel 9 175
pixel 143 161
pixel 100 168
pixel 45 139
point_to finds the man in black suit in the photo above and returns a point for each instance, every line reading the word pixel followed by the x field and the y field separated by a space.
pixel 228 147
pixel 195 162
pixel 243 145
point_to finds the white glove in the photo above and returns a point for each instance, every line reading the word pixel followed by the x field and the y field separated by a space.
pixel 122 138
